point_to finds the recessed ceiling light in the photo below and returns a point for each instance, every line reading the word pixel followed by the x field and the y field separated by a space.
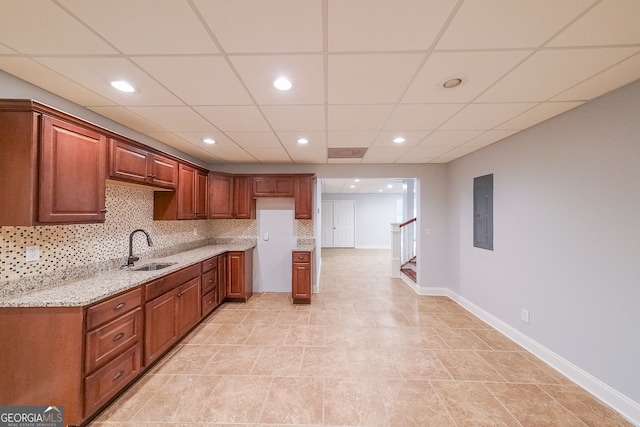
pixel 352 186
pixel 451 83
pixel 390 186
pixel 380 190
pixel 209 141
pixel 282 83
pixel 123 86
pixel 399 140
pixel 303 141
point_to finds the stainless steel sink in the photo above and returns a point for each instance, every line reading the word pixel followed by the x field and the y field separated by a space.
pixel 154 266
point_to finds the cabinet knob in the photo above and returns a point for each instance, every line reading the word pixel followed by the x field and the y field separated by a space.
pixel 103 210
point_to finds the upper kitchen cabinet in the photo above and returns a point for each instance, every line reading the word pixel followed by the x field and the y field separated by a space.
pixel 244 206
pixel 53 166
pixel 132 163
pixel 272 186
pixel 303 195
pixel 220 195
pixel 189 201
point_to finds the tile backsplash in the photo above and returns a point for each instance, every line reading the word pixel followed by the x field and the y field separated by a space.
pixel 64 247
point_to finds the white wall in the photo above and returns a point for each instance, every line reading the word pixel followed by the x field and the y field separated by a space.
pixel 567 236
pixel 373 214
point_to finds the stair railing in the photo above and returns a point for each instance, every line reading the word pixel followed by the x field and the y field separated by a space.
pixel 403 244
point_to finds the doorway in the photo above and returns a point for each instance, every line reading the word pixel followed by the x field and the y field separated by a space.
pixel 338 223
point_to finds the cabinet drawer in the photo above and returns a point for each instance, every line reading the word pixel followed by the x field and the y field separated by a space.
pixel 301 256
pixel 108 341
pixel 210 280
pixel 208 264
pixel 164 284
pixel 107 310
pixel 110 379
pixel 209 302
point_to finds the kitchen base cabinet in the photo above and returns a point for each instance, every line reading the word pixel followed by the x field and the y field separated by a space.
pixel 41 358
pixel 239 276
pixel 301 277
pixel 169 316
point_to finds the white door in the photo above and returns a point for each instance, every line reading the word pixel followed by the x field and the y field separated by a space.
pixel 338 224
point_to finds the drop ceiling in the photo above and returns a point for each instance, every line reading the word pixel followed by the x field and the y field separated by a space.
pixel 363 71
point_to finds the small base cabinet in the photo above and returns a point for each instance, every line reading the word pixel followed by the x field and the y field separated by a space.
pixel 239 276
pixel 301 275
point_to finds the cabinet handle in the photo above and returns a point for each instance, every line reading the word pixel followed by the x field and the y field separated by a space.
pixel 119 306
pixel 151 175
pixel 103 210
pixel 180 294
pixel 118 375
pixel 118 337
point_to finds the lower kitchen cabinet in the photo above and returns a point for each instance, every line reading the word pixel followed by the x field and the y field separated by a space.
pixel 301 277
pixel 240 276
pixel 169 316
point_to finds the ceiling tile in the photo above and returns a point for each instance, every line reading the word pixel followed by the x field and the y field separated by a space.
pixel 489 137
pixel 224 148
pixel 308 154
pixel 358 117
pixel 370 78
pixel 421 116
pixel 265 26
pixel 262 140
pixel 235 118
pixel 425 152
pixel 42 27
pixel 548 73
pixel 197 80
pixel 478 71
pixel 485 116
pixel 385 154
pixel 306 73
pixel 381 25
pixel 124 116
pixel 41 76
pixel 454 154
pixel 592 29
pixel 184 146
pixel 446 139
pixel 97 73
pixel 270 155
pixel 144 26
pixel 385 139
pixel 608 80
pixel 317 140
pixel 175 119
pixel 295 118
pixel 480 24
pixel 5 50
pixel 538 114
pixel 351 139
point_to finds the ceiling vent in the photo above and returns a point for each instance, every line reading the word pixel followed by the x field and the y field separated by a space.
pixel 347 153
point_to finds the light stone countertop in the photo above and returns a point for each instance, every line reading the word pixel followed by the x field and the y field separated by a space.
pixel 107 283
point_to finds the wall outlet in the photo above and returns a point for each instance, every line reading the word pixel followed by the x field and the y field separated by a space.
pixel 195 231
pixel 525 316
pixel 428 232
pixel 32 253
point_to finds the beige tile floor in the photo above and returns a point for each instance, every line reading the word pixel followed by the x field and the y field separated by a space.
pixel 368 351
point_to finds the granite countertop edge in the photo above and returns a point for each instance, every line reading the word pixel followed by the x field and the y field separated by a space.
pixel 104 284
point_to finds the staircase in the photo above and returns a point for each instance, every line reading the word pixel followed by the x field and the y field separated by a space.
pixel 409 269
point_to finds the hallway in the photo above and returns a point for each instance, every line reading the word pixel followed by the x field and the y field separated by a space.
pixel 368 351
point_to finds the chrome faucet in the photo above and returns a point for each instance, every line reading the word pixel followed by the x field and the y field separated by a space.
pixel 131 259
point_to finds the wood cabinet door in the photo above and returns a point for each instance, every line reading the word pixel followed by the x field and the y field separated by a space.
pixel 235 275
pixel 243 203
pixel 303 194
pixel 160 326
pixel 201 195
pixel 164 171
pixel 188 300
pixel 301 281
pixel 272 186
pixel 220 189
pixel 186 192
pixel 128 162
pixel 72 173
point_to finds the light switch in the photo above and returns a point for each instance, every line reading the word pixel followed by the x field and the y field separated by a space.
pixel 265 236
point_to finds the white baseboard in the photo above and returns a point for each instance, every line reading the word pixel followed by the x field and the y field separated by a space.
pixel 616 400
pixel 372 247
